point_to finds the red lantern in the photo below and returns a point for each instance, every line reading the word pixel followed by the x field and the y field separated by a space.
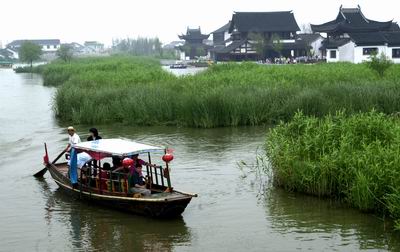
pixel 127 162
pixel 168 157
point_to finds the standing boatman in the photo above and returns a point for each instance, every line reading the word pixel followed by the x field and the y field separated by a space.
pixel 73 138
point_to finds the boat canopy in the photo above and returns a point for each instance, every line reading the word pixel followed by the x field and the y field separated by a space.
pixel 117 147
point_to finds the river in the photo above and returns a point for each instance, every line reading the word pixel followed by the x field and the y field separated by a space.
pixel 236 209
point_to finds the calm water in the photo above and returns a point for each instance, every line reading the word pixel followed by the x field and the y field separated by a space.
pixel 232 213
pixel 186 71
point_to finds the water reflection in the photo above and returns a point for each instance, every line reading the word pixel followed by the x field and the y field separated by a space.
pixel 311 219
pixel 92 228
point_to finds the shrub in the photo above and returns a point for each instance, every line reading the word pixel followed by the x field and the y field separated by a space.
pixel 380 64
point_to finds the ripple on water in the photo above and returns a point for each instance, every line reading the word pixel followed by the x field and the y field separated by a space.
pixel 235 211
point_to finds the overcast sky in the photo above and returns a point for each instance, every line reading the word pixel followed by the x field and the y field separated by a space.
pixel 103 20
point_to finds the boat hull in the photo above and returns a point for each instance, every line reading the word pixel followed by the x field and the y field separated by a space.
pixel 160 207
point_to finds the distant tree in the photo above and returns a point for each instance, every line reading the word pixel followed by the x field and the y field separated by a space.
pixel 380 64
pixel 306 28
pixel 29 52
pixel 276 44
pixel 139 46
pixel 259 44
pixel 65 53
pixel 200 51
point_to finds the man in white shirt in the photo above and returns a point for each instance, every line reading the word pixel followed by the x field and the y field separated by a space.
pixel 73 138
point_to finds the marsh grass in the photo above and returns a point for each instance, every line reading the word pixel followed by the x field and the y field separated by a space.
pixel 354 158
pixel 137 91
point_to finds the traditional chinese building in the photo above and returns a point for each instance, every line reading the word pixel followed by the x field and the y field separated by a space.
pixel 258 35
pixel 194 45
pixel 352 37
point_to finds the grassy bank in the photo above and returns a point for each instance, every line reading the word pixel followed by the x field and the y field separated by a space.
pixel 138 91
pixel 353 158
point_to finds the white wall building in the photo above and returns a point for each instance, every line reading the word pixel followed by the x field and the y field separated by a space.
pixel 352 37
pixel 360 46
pixel 93 47
pixel 47 45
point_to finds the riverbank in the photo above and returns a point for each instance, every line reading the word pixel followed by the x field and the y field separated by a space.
pixel 137 91
pixel 353 158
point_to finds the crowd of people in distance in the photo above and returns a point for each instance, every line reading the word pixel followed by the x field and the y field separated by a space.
pixel 130 167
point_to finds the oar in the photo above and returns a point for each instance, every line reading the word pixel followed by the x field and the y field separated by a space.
pixel 40 173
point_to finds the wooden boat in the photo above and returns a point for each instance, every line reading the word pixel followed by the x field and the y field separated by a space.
pixel 178 65
pixel 113 190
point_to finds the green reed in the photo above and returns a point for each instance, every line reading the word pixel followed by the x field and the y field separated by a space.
pixel 354 158
pixel 138 91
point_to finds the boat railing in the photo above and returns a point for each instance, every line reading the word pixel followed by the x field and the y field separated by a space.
pixel 158 175
pixel 117 182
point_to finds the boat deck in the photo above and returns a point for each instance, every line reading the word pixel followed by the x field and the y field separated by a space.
pixel 156 193
pixel 63 168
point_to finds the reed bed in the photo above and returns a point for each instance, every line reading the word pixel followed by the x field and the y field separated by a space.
pixel 354 158
pixel 137 91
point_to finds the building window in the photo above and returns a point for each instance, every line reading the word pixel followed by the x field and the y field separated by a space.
pixel 55 46
pixel 48 46
pixel 370 51
pixel 396 53
pixel 332 54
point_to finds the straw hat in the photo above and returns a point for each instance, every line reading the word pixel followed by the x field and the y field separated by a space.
pixel 71 128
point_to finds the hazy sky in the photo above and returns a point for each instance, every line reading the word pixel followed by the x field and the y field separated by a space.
pixel 102 20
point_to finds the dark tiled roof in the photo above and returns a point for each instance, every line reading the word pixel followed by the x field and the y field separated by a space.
pixel 194 34
pixel 308 38
pixel 223 28
pixel 298 44
pixel 334 43
pixel 395 27
pixel 365 39
pixel 393 38
pixel 5 53
pixel 352 20
pixel 282 21
pixel 230 47
pixel 368 38
pixel 36 41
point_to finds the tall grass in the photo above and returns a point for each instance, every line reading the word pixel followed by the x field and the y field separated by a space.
pixel 138 91
pixel 355 158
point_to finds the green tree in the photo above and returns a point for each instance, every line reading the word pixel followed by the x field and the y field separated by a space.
pixel 276 43
pixel 65 53
pixel 138 46
pixel 29 52
pixel 259 44
pixel 200 51
pixel 379 63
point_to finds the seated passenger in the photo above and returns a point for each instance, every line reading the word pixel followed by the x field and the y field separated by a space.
pixel 116 161
pixel 106 166
pixel 137 183
pixel 138 162
pixel 105 175
pixel 127 164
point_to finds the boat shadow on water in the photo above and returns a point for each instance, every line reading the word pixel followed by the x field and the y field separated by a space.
pixel 95 228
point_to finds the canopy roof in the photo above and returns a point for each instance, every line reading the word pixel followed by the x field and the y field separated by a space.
pixel 117 147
